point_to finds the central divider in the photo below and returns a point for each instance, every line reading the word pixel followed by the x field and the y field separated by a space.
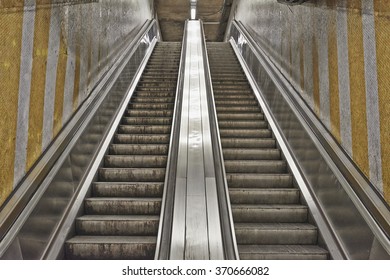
pixel 196 229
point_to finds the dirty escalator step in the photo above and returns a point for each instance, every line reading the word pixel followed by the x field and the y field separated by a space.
pixel 121 218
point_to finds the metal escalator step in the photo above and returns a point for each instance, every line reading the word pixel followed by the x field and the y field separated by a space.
pixel 146 121
pixel 248 143
pixel 232 91
pixel 256 166
pixel 276 233
pixel 132 174
pixel 127 189
pixel 122 206
pixel 111 247
pixel 232 109
pixel 159 76
pixel 282 252
pixel 141 139
pixel 238 124
pixel 149 113
pixel 234 97
pixel 228 80
pixel 245 132
pixel 240 116
pixel 269 213
pixel 144 129
pixel 235 102
pixel 120 225
pixel 231 87
pixel 263 196
pixel 251 154
pixel 138 149
pixel 133 161
pixel 156 89
pixel 250 180
pixel 151 106
pixel 154 94
pixel 153 99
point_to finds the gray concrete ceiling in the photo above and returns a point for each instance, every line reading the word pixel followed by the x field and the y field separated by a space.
pixel 173 13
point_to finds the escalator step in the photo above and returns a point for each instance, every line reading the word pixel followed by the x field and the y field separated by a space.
pixel 132 174
pixel 276 233
pixel 269 213
pixel 250 180
pixel 120 225
pixel 127 189
pixel 282 252
pixel 256 166
pixel 111 247
pixel 251 154
pixel 133 161
pixel 122 206
pixel 138 149
pixel 263 196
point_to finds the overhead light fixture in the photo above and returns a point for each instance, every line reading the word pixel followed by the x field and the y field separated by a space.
pixel 193 13
pixel 193 9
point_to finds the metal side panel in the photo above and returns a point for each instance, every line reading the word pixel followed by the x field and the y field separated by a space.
pixel 351 225
pixel 38 224
pixel 196 231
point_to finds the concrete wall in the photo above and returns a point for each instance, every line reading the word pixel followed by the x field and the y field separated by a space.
pixel 336 53
pixel 52 53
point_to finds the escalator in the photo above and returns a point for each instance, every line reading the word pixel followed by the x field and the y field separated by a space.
pixel 270 219
pixel 121 217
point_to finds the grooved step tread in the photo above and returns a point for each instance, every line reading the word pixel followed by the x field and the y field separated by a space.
pixel 119 225
pixel 276 233
pixel 256 166
pixel 251 154
pixel 263 196
pixel 111 247
pixel 119 218
pixel 282 252
pixel 113 239
pixel 252 180
pixel 138 149
pixel 128 189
